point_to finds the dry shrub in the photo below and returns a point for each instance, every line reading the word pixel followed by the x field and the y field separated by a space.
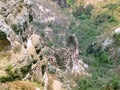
pixel 17 49
pixel 20 85
pixel 6 55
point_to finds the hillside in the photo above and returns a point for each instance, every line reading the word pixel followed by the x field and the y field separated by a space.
pixel 59 44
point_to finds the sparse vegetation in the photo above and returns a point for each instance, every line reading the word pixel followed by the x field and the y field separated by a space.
pixel 18 85
pixel 102 18
pixel 42 33
pixel 38 25
pixel 15 74
pixel 4 43
pixel 111 6
pixel 70 3
pixel 89 26
pixel 116 38
pixel 87 23
pixel 30 18
pixel 83 12
pixel 2 35
pixel 88 10
pixel 17 49
pixel 71 41
pixel 11 75
pixel 15 29
pixel 50 43
pixel 5 54
pixel 98 83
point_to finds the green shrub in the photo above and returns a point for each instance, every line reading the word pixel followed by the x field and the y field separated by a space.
pixel 14 28
pixel 102 18
pixel 116 38
pixel 53 25
pixel 15 74
pixel 11 75
pixel 71 41
pixel 9 70
pixel 25 25
pixel 101 66
pixel 88 10
pixel 100 55
pixel 113 19
pixel 47 53
pixel 30 18
pixel 111 6
pixel 83 17
pixel 1 48
pixel 42 33
pixel 38 25
pixel 83 12
pixel 70 3
pixel 79 11
pixel 103 57
pixel 90 83
pixel 2 35
pixel 50 43
pixel 111 82
pixel 24 70
pixel 86 32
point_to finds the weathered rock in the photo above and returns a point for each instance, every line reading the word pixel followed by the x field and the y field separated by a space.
pixel 62 3
pixel 29 54
pixel 51 69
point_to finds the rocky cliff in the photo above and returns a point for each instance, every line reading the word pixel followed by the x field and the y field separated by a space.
pixel 36 51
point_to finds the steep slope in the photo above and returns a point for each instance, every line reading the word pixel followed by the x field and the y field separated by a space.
pixel 44 44
pixel 39 48
pixel 97 29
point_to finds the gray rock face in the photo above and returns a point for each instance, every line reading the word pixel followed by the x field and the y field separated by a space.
pixel 51 69
pixel 62 3
pixel 30 53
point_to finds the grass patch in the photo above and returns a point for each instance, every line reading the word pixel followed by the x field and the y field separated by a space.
pixel 116 38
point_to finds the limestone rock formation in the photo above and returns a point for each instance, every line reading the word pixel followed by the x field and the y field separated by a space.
pixel 30 57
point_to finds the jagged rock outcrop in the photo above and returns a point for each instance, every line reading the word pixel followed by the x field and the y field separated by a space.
pixel 62 3
pixel 44 13
pixel 30 56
